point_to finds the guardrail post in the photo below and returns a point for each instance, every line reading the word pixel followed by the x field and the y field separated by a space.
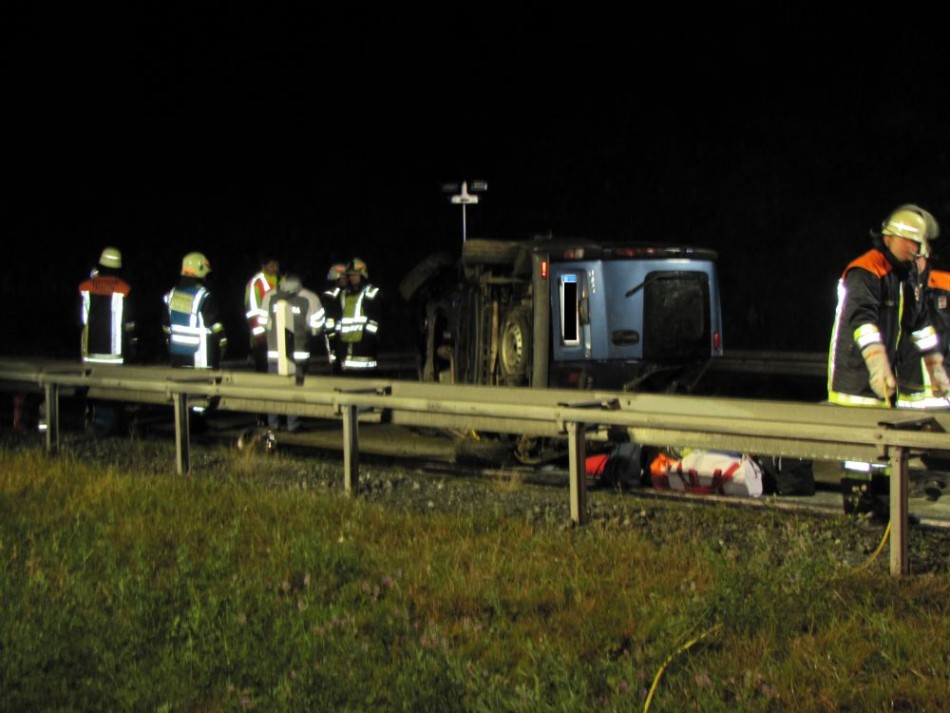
pixel 898 516
pixel 52 417
pixel 351 449
pixel 182 443
pixel 578 455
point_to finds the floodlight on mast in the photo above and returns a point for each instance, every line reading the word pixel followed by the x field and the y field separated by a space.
pixel 465 197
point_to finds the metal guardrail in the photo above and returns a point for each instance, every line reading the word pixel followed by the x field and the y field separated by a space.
pixel 815 431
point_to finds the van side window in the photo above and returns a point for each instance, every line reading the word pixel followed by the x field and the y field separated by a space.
pixel 570 326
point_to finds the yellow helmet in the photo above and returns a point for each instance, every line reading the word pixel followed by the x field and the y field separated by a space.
pixel 913 223
pixel 337 270
pixel 195 264
pixel 357 267
pixel 111 257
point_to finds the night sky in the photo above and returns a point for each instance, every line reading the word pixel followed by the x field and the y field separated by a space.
pixel 319 135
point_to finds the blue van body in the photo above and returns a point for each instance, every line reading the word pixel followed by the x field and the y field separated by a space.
pixel 568 313
pixel 628 317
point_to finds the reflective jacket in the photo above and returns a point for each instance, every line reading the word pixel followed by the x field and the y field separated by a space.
pixel 257 287
pixel 358 328
pixel 938 306
pixel 303 316
pixel 935 294
pixel 192 325
pixel 331 303
pixel 876 305
pixel 108 330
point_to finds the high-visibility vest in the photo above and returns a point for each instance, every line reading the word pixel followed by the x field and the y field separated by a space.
pixel 189 335
pixel 354 321
pixel 257 287
pixel 106 328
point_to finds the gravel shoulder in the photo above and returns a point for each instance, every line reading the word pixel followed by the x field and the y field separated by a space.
pixel 541 501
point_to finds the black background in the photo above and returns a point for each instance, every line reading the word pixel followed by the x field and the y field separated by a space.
pixel 234 129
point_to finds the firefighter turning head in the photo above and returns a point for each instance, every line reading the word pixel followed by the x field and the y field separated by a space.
pixel 195 265
pixel 356 272
pixel 907 231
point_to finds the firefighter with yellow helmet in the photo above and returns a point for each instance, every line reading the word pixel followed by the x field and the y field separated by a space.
pixel 108 327
pixel 330 297
pixel 357 328
pixel 192 322
pixel 108 330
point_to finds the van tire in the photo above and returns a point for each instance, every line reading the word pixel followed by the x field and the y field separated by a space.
pixel 515 349
pixel 481 251
pixel 422 273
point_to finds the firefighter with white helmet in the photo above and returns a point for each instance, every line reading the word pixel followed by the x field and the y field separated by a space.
pixel 358 326
pixel 191 319
pixel 881 329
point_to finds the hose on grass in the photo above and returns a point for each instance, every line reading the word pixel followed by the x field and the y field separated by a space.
pixel 685 647
pixel 880 548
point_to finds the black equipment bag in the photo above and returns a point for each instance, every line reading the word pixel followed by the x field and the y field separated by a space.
pixel 787 476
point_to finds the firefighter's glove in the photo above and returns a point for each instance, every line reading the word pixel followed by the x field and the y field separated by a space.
pixel 882 378
pixel 939 381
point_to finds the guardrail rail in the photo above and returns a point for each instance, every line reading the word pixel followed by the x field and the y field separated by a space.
pixel 815 431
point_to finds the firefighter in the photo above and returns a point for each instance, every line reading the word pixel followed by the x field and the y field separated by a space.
pixel 882 331
pixel 108 327
pixel 358 325
pixel 938 302
pixel 108 330
pixel 292 317
pixel 932 289
pixel 336 283
pixel 192 323
pixel 259 285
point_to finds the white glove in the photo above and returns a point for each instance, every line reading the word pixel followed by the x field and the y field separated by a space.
pixel 939 381
pixel 882 379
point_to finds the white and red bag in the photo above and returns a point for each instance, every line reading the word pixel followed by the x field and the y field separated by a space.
pixel 708 472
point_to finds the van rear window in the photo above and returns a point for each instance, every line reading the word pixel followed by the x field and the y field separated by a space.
pixel 570 327
pixel 676 315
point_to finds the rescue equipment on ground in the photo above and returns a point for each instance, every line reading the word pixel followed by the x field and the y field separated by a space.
pixel 707 472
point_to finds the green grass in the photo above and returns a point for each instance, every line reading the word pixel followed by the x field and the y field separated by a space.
pixel 121 590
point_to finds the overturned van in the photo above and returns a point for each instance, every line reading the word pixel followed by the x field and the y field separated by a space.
pixel 567 313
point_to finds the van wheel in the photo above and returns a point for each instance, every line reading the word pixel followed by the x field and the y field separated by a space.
pixel 422 273
pixel 483 251
pixel 537 450
pixel 515 351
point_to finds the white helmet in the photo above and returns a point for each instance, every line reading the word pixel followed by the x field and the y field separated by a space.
pixel 913 223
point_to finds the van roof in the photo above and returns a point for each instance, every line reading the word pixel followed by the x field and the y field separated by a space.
pixel 586 249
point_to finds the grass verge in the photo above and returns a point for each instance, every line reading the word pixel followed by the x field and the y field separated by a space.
pixel 127 591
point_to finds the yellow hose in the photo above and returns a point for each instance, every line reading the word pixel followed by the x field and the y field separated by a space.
pixel 689 644
pixel 880 548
